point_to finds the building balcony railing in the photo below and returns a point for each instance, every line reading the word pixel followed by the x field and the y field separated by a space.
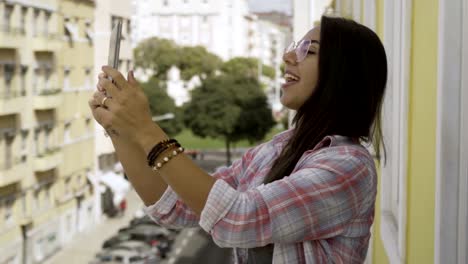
pixel 8 29
pixel 48 99
pixel 12 102
pixel 48 160
pixel 45 41
pixel 11 37
pixel 13 172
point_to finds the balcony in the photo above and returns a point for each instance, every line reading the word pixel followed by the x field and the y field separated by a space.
pixel 49 42
pixel 12 102
pixel 13 173
pixel 48 160
pixel 11 37
pixel 48 99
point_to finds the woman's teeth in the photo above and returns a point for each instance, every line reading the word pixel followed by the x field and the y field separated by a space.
pixel 291 78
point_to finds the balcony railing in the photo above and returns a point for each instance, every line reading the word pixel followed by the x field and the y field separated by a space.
pixel 47 160
pixel 47 98
pixel 12 30
pixel 5 95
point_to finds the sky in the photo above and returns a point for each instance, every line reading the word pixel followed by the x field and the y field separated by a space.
pixel 269 5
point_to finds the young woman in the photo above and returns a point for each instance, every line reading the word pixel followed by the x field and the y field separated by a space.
pixel 306 196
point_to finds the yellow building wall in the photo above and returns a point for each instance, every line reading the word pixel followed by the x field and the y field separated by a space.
pixel 422 133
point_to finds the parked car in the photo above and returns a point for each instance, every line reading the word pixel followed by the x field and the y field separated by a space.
pixel 123 256
pixel 140 247
pixel 116 239
pixel 146 220
pixel 154 236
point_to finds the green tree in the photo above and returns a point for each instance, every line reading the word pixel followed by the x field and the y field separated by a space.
pixel 161 103
pixel 197 60
pixel 158 55
pixel 229 107
pixel 247 67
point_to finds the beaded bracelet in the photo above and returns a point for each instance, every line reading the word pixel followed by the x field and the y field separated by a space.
pixel 157 150
pixel 166 159
pixel 153 157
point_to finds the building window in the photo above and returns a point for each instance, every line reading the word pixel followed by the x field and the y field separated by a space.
pixel 129 28
pixel 8 204
pixel 8 151
pixel 36 142
pixel 35 21
pixel 66 133
pixel 66 79
pixel 165 2
pixel 36 200
pixel 9 71
pixel 24 12
pixel 47 74
pixel 114 21
pixel 35 80
pixel 68 185
pixel 7 18
pixel 87 84
pixel 46 23
pixel 205 19
pixel 47 196
pixel 24 145
pixel 186 1
pixel 24 70
pixel 88 126
pixel 47 145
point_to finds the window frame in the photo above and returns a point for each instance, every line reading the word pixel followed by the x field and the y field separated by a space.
pixel 397 41
pixel 451 209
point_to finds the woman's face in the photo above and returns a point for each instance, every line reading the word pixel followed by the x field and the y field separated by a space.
pixel 301 72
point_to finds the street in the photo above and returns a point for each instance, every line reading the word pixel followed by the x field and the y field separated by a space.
pixel 192 245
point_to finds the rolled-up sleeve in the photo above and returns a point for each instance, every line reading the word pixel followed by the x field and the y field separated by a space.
pixel 315 202
pixel 171 211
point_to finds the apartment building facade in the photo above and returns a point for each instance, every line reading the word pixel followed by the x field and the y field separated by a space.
pixel 46 63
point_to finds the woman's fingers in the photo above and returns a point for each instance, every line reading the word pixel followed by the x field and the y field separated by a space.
pixel 105 85
pixel 103 101
pixel 116 76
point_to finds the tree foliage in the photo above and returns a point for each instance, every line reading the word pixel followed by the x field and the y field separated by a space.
pixel 161 103
pixel 248 67
pixel 158 55
pixel 231 107
pixel 197 60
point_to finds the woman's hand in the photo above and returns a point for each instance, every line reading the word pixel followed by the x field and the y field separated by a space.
pixel 120 106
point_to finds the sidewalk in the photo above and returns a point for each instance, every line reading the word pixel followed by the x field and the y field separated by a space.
pixel 85 245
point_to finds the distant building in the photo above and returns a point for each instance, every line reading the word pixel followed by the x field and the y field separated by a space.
pixel 217 25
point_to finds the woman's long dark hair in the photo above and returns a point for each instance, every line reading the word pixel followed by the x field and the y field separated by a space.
pixel 348 97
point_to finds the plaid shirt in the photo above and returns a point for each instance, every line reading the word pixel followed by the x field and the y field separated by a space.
pixel 321 213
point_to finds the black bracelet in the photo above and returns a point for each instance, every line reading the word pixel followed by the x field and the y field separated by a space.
pixel 156 155
pixel 158 149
